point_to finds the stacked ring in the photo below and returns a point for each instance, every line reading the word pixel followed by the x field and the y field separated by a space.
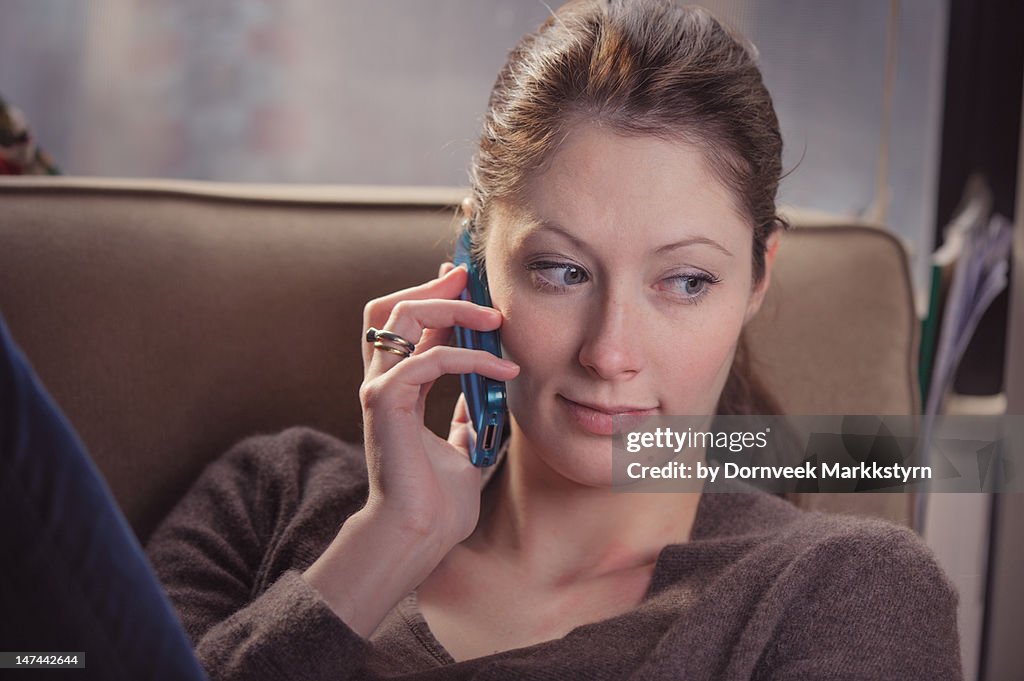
pixel 390 342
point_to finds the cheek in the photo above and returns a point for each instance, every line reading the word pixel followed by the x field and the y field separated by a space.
pixel 696 379
pixel 535 337
pixel 541 340
pixel 520 346
pixel 712 363
pixel 695 357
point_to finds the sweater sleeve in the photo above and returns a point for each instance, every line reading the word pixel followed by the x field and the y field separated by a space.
pixel 875 606
pixel 289 632
pixel 211 555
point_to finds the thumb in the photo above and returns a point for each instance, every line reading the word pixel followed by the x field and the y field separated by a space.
pixel 461 434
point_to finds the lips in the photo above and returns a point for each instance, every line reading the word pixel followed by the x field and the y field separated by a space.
pixel 603 419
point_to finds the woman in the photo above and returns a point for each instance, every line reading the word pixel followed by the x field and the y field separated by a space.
pixel 624 209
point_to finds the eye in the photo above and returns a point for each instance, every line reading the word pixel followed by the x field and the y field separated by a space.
pixel 557 276
pixel 692 287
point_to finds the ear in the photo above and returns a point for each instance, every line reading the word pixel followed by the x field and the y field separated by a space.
pixel 757 295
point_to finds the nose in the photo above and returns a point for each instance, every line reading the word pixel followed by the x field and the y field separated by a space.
pixel 612 348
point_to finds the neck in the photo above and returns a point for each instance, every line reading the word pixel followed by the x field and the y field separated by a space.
pixel 555 531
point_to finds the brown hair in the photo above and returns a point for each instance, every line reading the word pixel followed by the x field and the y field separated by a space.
pixel 639 67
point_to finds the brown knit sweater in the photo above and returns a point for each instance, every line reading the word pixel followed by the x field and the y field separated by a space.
pixel 762 590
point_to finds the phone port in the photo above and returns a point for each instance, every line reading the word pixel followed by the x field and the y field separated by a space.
pixel 489 431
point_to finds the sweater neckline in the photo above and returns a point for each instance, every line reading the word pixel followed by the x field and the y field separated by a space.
pixel 719 514
pixel 409 610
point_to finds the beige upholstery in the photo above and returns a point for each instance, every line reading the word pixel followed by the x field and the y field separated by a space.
pixel 171 319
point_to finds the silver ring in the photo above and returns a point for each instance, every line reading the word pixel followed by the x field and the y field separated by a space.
pixel 401 352
pixel 389 341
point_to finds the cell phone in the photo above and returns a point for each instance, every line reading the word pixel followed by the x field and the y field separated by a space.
pixel 488 410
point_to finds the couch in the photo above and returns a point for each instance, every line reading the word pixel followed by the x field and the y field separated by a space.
pixel 172 318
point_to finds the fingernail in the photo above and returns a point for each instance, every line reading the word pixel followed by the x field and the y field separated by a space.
pixel 508 365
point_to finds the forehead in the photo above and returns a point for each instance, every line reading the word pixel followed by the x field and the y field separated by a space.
pixel 602 184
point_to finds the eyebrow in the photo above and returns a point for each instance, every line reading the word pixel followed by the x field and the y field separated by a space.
pixel 544 225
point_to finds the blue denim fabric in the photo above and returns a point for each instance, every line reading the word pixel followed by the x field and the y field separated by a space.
pixel 73 577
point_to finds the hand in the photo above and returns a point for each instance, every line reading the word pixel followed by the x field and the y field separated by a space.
pixel 418 481
pixel 424 495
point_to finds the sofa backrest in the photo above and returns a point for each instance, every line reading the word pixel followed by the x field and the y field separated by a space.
pixel 171 319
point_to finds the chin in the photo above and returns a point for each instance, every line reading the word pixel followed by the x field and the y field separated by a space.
pixel 579 457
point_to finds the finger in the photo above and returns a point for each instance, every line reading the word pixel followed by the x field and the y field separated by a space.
pixel 378 311
pixel 446 267
pixel 444 360
pixel 400 387
pixel 447 286
pixel 410 318
pixel 461 433
pixel 461 412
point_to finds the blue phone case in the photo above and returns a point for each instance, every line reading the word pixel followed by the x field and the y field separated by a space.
pixel 485 396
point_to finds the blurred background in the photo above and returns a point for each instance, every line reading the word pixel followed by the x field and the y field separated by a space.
pixel 887 108
pixel 370 92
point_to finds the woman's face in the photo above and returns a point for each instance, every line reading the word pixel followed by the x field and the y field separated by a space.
pixel 624 291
